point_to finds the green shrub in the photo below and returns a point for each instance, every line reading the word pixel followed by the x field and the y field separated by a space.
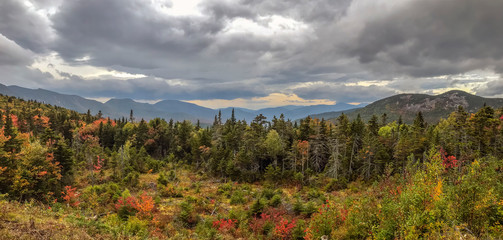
pixel 132 179
pixel 314 194
pixel 169 191
pixel 154 165
pixel 205 230
pixel 336 184
pixel 162 179
pixel 136 227
pixel 298 206
pixel 268 193
pixel 257 206
pixel 298 232
pixel 272 174
pixel 237 198
pixel 309 209
pixel 187 215
pixel 275 201
pixel 196 186
pixel 172 176
pixel 225 189
pixel 326 219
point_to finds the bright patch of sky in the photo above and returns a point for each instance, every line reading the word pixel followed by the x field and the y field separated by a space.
pixel 265 26
pixel 56 66
pixel 178 7
pixel 272 100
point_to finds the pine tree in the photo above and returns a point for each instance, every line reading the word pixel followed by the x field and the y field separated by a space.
pixel 131 116
pixel 419 124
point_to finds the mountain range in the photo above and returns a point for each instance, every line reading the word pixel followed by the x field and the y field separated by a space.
pixel 167 109
pixel 407 106
pixel 433 107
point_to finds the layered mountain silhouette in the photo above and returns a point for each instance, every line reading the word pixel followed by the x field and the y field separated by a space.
pixel 167 109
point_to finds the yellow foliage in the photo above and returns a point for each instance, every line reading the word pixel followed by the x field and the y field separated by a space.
pixel 437 191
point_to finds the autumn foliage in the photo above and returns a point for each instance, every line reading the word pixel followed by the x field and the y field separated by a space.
pixel 70 196
pixel 260 179
pixel 225 225
pixel 141 206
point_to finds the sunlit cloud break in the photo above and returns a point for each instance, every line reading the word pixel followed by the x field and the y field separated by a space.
pixel 272 100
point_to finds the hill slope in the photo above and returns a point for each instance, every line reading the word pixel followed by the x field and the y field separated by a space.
pixel 433 107
pixel 72 102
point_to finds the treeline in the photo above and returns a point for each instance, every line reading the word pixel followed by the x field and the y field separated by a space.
pixel 41 146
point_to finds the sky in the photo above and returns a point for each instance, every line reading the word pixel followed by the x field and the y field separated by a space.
pixel 252 53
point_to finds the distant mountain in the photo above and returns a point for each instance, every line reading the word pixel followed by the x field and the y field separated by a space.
pixel 317 109
pixel 332 115
pixel 167 109
pixel 432 107
pixel 72 102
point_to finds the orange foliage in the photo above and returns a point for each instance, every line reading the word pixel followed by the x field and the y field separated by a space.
pixel 56 168
pixel 204 150
pixel 42 121
pixel 42 173
pixel 25 138
pixel 104 121
pixel 70 196
pixel 303 147
pixel 14 120
pixel 143 205
pixel 88 132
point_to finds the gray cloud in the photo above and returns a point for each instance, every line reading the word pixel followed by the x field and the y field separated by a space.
pixel 126 33
pixel 491 89
pixel 430 38
pixel 13 54
pixel 344 93
pixel 150 88
pixel 23 76
pixel 134 35
pixel 25 26
pixel 415 45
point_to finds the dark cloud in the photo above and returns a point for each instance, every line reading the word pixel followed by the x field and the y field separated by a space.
pixel 132 34
pixel 344 93
pixel 251 48
pixel 431 38
pixel 151 88
pixel 128 33
pixel 24 26
pixel 309 11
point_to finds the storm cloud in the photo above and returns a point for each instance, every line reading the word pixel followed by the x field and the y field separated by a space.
pixel 430 38
pixel 345 51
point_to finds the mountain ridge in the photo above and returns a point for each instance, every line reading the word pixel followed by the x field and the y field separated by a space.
pixel 407 105
pixel 167 109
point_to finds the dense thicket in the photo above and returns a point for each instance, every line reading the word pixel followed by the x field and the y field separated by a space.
pixel 42 147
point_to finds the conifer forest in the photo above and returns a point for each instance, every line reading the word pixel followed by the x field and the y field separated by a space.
pixel 66 175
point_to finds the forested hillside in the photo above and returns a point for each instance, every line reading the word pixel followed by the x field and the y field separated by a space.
pixel 406 106
pixel 69 175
